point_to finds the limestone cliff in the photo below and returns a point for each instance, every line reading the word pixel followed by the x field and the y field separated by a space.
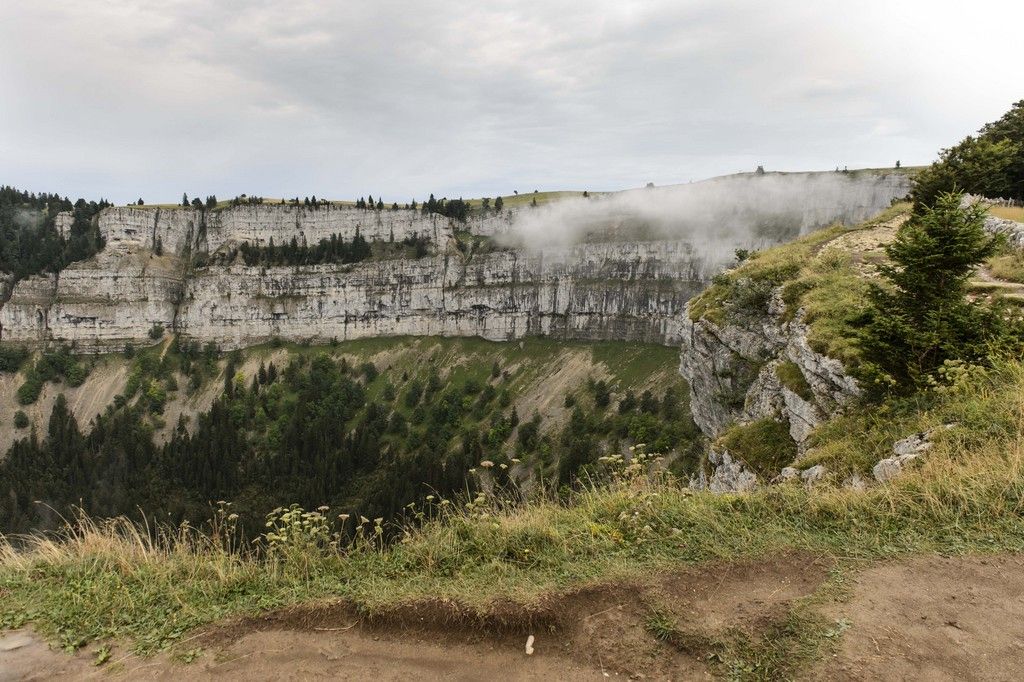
pixel 733 370
pixel 625 291
pixel 158 268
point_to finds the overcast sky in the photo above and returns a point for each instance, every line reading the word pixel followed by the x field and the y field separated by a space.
pixel 129 98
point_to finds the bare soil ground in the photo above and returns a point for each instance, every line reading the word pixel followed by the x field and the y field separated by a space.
pixel 105 381
pixel 588 634
pixel 926 618
pixel 934 618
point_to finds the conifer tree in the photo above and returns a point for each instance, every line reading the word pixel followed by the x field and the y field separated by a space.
pixel 921 316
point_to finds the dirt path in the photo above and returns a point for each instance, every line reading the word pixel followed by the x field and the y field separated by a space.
pixel 987 283
pixel 929 618
pixel 934 618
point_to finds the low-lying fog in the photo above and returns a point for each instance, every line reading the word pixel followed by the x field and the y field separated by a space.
pixel 716 216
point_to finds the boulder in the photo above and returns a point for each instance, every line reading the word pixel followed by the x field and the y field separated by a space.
pixel 814 474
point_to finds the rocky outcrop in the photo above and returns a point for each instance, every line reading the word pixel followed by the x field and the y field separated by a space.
pixel 906 451
pixel 728 475
pixel 732 370
pixel 1012 230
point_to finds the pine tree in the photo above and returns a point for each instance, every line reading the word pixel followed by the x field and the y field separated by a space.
pixel 922 318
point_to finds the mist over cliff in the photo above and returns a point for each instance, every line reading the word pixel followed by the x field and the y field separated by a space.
pixel 716 216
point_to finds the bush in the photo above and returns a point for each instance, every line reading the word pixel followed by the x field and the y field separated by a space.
pixel 20 420
pixel 369 370
pixel 29 391
pixel 764 445
pixel 156 331
pixel 12 357
pixel 76 374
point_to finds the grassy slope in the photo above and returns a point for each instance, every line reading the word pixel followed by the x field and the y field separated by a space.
pixel 967 496
pixel 1008 212
pixel 826 283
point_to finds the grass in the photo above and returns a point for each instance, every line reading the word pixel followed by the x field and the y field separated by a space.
pixel 742 290
pixel 525 199
pixel 113 580
pixel 1008 265
pixel 1008 212
pixel 824 282
pixel 793 378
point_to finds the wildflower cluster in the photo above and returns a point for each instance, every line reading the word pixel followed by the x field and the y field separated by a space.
pixel 636 467
pixel 224 531
pixel 295 530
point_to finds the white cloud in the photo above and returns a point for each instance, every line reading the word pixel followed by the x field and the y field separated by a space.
pixel 151 98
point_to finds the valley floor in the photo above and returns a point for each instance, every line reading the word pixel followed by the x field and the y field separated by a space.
pixel 814 617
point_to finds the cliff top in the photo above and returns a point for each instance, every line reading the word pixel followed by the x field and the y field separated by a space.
pixel 527 197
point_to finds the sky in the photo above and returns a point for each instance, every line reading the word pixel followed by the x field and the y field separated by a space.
pixel 126 99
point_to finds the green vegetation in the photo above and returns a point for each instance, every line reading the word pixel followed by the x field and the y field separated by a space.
pixel 764 445
pixel 114 580
pixel 1008 264
pixel 12 357
pixel 57 365
pixel 525 199
pixel 792 378
pixel 920 318
pixel 991 164
pixel 332 250
pixel 29 240
pixel 822 281
pixel 369 426
pixel 743 292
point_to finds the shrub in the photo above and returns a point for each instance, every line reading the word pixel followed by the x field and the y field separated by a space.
pixel 29 391
pixel 764 445
pixel 20 420
pixel 76 374
pixel 156 331
pixel 12 357
pixel 369 370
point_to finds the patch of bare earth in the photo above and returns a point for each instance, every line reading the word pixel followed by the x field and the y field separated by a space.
pixel 867 246
pixel 934 618
pixel 105 380
pixel 589 634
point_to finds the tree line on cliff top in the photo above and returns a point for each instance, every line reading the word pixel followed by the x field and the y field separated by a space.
pixel 29 240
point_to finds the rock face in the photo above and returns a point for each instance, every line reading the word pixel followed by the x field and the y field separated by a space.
pixel 605 290
pixel 733 373
pixel 626 291
pixel 728 475
pixel 156 269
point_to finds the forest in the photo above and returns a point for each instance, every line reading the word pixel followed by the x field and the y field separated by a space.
pixel 319 430
pixel 29 240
